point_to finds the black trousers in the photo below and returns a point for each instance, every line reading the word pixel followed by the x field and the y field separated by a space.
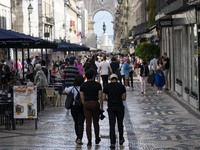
pixel 104 79
pixel 131 78
pixel 79 118
pixel 116 112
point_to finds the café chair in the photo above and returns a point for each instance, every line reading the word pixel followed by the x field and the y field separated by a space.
pixel 52 94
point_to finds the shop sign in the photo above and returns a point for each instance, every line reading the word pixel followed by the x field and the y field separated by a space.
pixel 165 23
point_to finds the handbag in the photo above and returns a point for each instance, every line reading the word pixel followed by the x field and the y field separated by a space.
pixel 69 100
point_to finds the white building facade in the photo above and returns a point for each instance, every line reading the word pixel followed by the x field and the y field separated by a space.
pixel 54 20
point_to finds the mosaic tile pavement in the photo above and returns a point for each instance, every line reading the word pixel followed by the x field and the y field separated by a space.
pixel 152 122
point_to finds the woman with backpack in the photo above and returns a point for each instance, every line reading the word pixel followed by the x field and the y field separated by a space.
pixel 77 108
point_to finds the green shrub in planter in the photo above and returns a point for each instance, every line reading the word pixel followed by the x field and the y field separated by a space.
pixel 146 51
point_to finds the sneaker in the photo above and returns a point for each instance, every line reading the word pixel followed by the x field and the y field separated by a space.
pixel 121 142
pixel 97 141
pixel 112 146
pixel 142 92
pixel 78 141
pixel 89 143
pixel 158 92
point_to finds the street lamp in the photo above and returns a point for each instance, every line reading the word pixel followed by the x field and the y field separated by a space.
pixel 30 10
pixel 120 2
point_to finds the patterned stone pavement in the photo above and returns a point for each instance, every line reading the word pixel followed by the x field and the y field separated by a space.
pixel 152 122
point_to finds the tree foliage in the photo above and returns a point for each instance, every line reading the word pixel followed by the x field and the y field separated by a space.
pixel 146 51
pixel 151 8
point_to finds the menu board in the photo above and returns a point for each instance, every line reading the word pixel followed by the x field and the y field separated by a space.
pixel 25 101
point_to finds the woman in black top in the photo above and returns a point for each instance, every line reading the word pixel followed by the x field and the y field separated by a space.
pixel 115 66
pixel 144 71
pixel 91 97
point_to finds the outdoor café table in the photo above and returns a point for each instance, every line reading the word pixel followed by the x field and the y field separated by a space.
pixel 6 108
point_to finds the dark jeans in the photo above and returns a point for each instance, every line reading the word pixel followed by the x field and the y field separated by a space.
pixel 152 79
pixel 116 112
pixel 122 78
pixel 92 112
pixel 79 118
pixel 131 78
pixel 40 99
pixel 104 79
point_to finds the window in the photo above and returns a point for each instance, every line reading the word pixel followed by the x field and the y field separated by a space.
pixel 194 59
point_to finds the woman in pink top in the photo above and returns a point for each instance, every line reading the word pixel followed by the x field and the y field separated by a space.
pixel 79 65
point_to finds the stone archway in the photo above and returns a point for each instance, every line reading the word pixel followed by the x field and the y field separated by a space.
pixel 94 6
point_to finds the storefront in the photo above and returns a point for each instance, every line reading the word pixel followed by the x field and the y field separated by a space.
pixel 180 39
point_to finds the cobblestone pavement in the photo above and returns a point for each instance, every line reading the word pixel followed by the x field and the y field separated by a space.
pixel 152 122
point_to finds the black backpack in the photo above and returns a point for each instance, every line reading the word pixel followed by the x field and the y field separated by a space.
pixel 77 100
pixel 69 100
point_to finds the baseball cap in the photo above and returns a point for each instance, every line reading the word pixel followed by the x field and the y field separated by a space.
pixel 113 76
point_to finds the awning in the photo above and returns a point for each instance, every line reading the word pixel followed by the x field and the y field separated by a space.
pixel 147 32
pixel 12 39
pixel 66 46
pixel 140 29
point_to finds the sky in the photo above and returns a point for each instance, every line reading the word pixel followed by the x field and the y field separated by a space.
pixel 99 18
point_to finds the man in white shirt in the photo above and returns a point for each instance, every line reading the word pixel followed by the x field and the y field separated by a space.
pixel 105 70
pixel 153 63
pixel 152 69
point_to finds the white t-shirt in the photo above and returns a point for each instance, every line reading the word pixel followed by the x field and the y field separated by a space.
pixel 104 67
pixel 153 64
pixel 121 66
pixel 68 89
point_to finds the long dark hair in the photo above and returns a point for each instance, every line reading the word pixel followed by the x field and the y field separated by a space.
pixel 78 80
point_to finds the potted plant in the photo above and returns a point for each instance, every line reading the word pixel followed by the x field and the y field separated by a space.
pixel 146 51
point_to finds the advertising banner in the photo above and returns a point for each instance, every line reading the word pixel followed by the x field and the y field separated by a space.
pixel 25 101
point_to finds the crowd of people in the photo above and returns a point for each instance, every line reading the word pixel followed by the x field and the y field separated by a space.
pixel 89 77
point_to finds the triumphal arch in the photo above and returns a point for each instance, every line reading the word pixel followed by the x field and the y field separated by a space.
pixel 94 6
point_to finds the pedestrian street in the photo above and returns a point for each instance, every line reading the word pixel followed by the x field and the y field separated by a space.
pixel 152 122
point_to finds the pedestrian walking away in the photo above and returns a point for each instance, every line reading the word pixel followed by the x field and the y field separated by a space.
pixel 77 108
pixel 91 97
pixel 152 69
pixel 105 70
pixel 116 94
